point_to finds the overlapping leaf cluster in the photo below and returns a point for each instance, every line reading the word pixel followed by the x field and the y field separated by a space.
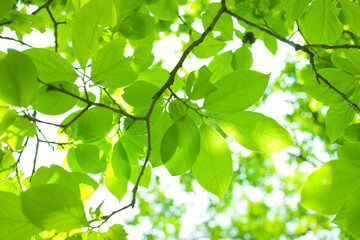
pixel 125 114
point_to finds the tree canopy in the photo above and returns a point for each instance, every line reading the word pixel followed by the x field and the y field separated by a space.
pixel 103 94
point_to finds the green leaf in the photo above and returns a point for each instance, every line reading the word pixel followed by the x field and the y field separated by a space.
pixel 166 10
pixel 146 177
pixel 224 25
pixel 6 6
pixel 116 184
pixel 87 184
pixel 134 146
pixel 18 79
pixel 159 123
pixel 88 158
pixel 9 186
pixel 110 68
pixel 136 26
pixel 255 131
pixel 213 168
pixel 328 187
pixel 116 232
pixel 53 102
pixel 54 207
pixel 13 224
pixel 54 175
pixel 6 161
pixel 320 24
pixel 180 146
pixel 342 81
pixel 140 94
pixel 177 109
pixel 294 9
pixel 236 91
pixel 120 162
pixel 208 48
pixel 350 12
pixel 51 66
pixel 270 43
pixel 352 133
pixel 156 76
pixel 220 66
pixel 202 87
pixel 126 8
pixel 242 59
pixel 87 26
pixel 338 117
pixel 95 123
pixel 347 60
pixel 14 129
pixel 350 152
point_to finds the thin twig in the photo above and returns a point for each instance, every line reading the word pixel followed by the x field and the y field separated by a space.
pixel 18 162
pixel 35 156
pixel 45 5
pixel 16 40
pixel 66 126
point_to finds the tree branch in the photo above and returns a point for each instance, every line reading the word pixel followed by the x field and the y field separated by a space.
pixel 45 5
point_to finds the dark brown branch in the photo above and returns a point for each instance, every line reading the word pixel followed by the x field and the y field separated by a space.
pixel 5 23
pixel 319 76
pixel 157 96
pixel 54 88
pixel 306 49
pixel 344 46
pixel 33 119
pixel 45 5
pixel 19 41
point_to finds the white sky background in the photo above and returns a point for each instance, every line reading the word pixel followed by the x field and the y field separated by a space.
pixel 196 202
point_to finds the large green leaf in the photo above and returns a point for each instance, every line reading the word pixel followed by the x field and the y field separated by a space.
pixel 51 66
pixel 236 91
pixel 220 66
pixel 136 26
pixel 208 48
pixel 213 167
pixel 13 224
pixel 18 79
pixel 202 87
pixel 54 175
pixel 94 124
pixel 159 123
pixel 294 9
pixel 342 81
pixel 166 10
pixel 110 68
pixel 180 146
pixel 7 161
pixel 338 117
pixel 115 183
pixel 351 15
pixel 126 8
pixel 328 187
pixel 350 152
pixel 352 133
pixel 120 162
pixel 255 131
pixel 88 158
pixel 347 60
pixel 53 102
pixel 87 26
pixel 320 24
pixel 242 59
pixel 54 207
pixel 6 6
pixel 140 94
